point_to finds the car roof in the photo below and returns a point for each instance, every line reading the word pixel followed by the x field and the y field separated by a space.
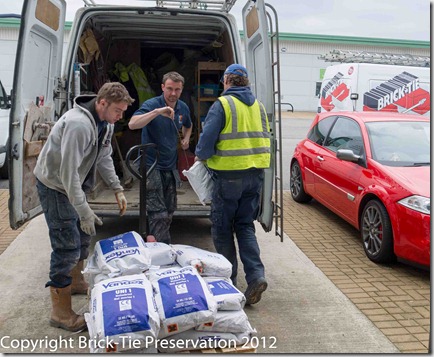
pixel 377 116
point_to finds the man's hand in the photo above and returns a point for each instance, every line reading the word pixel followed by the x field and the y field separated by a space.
pixel 87 224
pixel 122 202
pixel 167 112
pixel 185 144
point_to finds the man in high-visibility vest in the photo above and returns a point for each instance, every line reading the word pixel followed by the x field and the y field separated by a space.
pixel 235 143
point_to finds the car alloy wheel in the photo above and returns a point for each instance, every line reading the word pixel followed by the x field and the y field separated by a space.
pixel 296 184
pixel 376 232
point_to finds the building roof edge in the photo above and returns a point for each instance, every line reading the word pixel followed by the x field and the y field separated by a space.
pixel 299 37
pixel 373 41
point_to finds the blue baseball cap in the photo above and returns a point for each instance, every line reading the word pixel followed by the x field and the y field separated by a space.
pixel 237 69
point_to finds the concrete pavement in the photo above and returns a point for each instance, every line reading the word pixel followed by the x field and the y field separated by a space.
pixel 301 312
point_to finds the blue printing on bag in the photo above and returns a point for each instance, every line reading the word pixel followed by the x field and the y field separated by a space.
pixel 121 241
pixel 182 294
pixel 125 310
pixel 221 287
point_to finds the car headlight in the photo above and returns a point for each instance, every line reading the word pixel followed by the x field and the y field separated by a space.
pixel 417 203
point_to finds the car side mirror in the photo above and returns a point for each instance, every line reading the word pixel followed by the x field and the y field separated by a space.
pixel 347 155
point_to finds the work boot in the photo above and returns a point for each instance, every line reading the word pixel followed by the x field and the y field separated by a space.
pixel 62 315
pixel 78 285
pixel 254 290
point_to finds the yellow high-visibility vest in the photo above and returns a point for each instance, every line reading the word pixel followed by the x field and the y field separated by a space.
pixel 244 142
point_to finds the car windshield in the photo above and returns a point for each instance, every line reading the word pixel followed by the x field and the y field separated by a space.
pixel 397 143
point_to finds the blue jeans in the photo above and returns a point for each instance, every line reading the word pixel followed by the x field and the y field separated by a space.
pixel 69 243
pixel 234 207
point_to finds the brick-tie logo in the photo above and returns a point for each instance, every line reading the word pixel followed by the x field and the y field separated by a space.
pixel 334 93
pixel 402 92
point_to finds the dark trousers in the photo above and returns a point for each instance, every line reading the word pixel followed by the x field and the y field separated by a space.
pixel 234 207
pixel 69 243
pixel 161 201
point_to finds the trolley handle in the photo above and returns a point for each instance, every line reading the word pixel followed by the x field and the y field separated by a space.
pixel 141 149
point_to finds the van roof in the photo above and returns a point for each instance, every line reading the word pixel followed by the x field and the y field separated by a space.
pixel 211 5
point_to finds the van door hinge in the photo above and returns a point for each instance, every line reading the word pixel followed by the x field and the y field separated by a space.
pixel 15 153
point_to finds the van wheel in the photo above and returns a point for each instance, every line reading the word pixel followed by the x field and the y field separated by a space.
pixel 296 185
pixel 376 232
pixel 4 174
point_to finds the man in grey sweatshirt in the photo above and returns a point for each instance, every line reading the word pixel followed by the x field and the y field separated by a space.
pixel 78 145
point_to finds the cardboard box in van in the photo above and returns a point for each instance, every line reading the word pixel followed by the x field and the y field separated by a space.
pixel 379 87
pixel 135 45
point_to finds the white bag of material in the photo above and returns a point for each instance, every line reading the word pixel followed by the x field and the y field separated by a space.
pixel 124 254
pixel 122 309
pixel 228 321
pixel 161 253
pixel 194 340
pixel 207 263
pixel 92 272
pixel 183 299
pixel 201 181
pixel 228 297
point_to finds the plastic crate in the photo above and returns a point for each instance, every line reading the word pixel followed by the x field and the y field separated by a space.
pixel 209 90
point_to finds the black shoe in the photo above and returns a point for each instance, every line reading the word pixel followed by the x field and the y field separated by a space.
pixel 254 291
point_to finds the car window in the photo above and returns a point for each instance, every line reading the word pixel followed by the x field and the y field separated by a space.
pixel 345 134
pixel 320 130
pixel 397 143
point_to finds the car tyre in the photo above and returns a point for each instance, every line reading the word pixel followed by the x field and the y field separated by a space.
pixel 376 233
pixel 296 184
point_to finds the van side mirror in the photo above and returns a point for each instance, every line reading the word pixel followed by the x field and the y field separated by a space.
pixel 8 102
pixel 354 97
pixel 5 99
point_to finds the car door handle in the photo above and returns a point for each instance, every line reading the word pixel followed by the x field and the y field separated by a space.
pixel 320 158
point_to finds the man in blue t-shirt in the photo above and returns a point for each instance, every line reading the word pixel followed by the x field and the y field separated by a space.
pixel 161 118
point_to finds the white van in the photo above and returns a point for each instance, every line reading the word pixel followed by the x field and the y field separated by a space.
pixel 375 87
pixel 118 43
pixel 5 108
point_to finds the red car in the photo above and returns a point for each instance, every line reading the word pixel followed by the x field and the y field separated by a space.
pixel 373 170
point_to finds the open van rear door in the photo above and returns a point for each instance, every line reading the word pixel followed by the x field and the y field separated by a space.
pixel 258 63
pixel 36 79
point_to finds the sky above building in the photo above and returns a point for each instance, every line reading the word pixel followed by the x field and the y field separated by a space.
pixel 391 19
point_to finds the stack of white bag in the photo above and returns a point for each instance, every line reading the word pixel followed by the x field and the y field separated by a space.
pixel 178 294
pixel 230 325
pixel 122 305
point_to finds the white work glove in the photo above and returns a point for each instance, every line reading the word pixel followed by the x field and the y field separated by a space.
pixel 122 202
pixel 87 224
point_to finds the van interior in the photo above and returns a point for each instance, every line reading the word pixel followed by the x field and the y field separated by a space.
pixel 136 48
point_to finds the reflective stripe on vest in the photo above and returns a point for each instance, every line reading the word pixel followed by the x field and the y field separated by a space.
pixel 244 142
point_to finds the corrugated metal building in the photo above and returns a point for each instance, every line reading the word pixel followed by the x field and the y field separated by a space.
pixel 301 70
